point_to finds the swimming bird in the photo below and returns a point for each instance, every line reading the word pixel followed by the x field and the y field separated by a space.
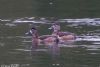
pixel 45 39
pixel 62 36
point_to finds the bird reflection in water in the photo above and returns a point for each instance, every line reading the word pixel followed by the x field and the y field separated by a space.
pixel 54 52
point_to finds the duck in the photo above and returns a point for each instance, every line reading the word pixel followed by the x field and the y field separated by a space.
pixel 44 39
pixel 62 35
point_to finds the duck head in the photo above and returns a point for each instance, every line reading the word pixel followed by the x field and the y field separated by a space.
pixel 33 30
pixel 55 27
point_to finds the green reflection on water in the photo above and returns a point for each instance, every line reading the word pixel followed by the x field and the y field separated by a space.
pixel 50 8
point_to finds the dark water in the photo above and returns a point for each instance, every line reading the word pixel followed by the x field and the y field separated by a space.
pixel 50 8
pixel 15 46
pixel 18 16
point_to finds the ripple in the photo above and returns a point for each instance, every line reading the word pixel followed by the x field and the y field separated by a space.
pixel 82 21
pixel 98 43
pixel 5 20
pixel 10 24
pixel 24 37
pixel 93 49
pixel 88 38
pixel 21 50
pixel 93 46
pixel 63 45
pixel 25 50
pixel 71 22
pixel 27 41
pixel 29 20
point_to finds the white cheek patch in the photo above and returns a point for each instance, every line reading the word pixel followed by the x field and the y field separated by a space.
pixel 50 28
pixel 31 31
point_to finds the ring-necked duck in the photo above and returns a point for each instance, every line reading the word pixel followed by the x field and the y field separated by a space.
pixel 63 36
pixel 45 39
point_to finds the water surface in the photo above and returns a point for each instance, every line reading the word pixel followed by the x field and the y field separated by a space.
pixel 15 46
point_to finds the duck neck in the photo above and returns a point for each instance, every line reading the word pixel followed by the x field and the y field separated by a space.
pixel 35 35
pixel 55 32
